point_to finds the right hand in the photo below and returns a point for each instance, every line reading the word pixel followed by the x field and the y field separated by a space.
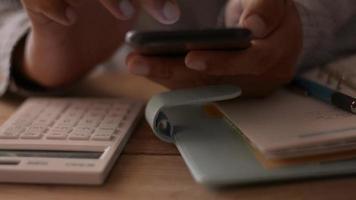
pixel 68 38
pixel 269 63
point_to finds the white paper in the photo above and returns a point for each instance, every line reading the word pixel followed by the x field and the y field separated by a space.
pixel 286 120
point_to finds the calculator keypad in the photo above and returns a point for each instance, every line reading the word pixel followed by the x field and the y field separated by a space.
pixel 68 119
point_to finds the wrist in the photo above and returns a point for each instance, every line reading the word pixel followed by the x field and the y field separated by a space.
pixel 18 75
pixel 48 62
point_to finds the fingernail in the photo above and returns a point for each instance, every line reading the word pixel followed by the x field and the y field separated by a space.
pixel 233 14
pixel 126 8
pixel 196 65
pixel 140 68
pixel 71 15
pixel 257 26
pixel 171 12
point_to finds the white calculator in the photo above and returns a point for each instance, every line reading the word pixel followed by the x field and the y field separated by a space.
pixel 65 140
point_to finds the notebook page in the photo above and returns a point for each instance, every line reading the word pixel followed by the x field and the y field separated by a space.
pixel 287 120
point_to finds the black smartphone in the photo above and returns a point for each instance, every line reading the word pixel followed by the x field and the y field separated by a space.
pixel 180 42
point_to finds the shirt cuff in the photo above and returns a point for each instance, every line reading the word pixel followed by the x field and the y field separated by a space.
pixel 20 83
pixel 16 27
pixel 15 80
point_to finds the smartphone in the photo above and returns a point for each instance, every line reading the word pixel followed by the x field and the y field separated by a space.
pixel 180 42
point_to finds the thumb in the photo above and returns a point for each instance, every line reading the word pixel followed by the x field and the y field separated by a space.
pixel 58 11
pixel 262 17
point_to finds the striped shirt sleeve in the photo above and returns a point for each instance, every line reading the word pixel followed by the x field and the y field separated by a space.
pixel 14 25
pixel 326 24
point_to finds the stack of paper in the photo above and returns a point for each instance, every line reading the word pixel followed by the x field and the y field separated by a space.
pixel 287 125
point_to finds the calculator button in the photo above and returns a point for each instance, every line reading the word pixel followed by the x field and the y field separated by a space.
pixel 12 132
pixel 115 116
pixel 35 132
pixel 110 123
pixel 100 107
pixel 103 134
pixel 79 105
pixel 15 128
pixel 61 129
pixel 122 106
pixel 104 130
pixel 58 133
pixel 73 114
pixel 48 115
pixel 43 122
pixel 37 103
pixel 29 115
pixel 67 122
pixel 79 136
pixel 57 136
pixel 36 129
pixel 95 114
pixel 31 135
pixel 88 122
pixel 102 137
pixel 9 135
pixel 82 130
pixel 23 122
pixel 57 106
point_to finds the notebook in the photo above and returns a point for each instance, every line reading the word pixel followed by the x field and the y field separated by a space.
pixel 288 125
pixel 216 154
pixel 342 72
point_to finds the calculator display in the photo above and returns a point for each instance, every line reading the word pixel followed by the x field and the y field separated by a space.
pixel 51 154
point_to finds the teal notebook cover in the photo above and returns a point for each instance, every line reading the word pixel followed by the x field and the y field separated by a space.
pixel 214 151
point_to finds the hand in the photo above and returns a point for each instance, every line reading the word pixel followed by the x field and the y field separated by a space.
pixel 70 37
pixel 267 64
pixel 262 17
pixel 164 11
pixel 63 12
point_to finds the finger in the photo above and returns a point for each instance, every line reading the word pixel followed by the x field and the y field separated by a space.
pixel 253 61
pixel 121 9
pixel 164 11
pixel 58 11
pixel 158 70
pixel 257 60
pixel 170 72
pixel 277 50
pixel 154 67
pixel 262 17
pixel 233 13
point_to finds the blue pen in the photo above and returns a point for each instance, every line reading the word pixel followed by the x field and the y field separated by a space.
pixel 326 94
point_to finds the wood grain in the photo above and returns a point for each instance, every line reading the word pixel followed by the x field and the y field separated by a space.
pixel 166 177
pixel 144 142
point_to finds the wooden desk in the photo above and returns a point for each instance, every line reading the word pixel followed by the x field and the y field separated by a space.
pixel 151 169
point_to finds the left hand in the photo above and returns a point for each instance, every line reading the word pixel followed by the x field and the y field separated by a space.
pixel 266 65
